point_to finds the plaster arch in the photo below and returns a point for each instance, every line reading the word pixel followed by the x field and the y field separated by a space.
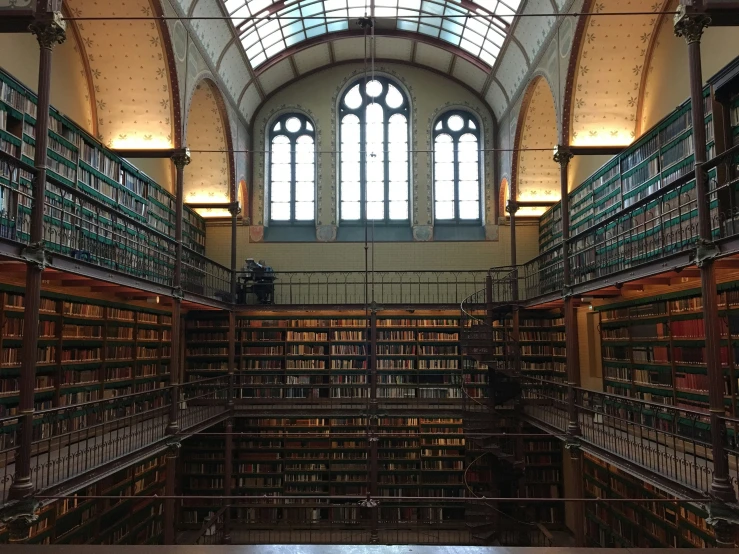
pixel 210 177
pixel 534 174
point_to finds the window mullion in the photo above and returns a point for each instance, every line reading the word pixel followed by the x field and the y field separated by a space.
pixel 456 179
pixel 293 177
pixel 363 160
pixel 385 167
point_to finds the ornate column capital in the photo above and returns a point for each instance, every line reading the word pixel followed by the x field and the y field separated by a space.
pixel 690 25
pixel 173 449
pixel 50 29
pixel 512 207
pixel 18 517
pixel 234 208
pixel 181 158
pixel 562 154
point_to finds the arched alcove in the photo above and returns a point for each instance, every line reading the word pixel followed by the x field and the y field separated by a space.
pixel 535 175
pixel 209 177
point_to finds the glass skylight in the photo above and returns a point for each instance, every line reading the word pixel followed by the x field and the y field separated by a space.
pixel 266 28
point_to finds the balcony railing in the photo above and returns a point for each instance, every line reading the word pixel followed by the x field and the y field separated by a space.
pixel 384 287
pixel 97 234
pixel 670 441
pixel 660 225
pixel 72 440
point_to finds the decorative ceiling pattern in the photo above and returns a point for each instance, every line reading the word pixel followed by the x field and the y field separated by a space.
pixel 610 72
pixel 207 176
pixel 132 88
pixel 537 176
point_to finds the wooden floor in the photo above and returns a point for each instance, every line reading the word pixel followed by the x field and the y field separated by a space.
pixel 319 549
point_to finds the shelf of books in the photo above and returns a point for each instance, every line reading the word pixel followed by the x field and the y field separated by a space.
pixel 661 156
pixel 81 162
pixel 129 516
pixel 655 524
pixel 325 356
pixel 653 349
pixel 89 349
pixel 543 478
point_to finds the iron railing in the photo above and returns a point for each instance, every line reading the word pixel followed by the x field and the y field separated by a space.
pixel 98 233
pixel 384 287
pixel 211 531
pixel 71 440
pixel 656 227
pixel 673 442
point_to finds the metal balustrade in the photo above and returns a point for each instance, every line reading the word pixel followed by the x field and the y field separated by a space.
pixel 98 234
pixel 671 441
pixel 71 440
pixel 384 287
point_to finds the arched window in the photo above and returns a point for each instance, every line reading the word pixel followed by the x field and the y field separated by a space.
pixel 292 169
pixel 457 168
pixel 373 173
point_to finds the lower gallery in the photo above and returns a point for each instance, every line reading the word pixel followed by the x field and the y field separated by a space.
pixel 431 273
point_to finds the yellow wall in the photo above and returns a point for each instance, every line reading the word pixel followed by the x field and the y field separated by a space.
pixel 19 56
pixel 667 85
pixel 393 255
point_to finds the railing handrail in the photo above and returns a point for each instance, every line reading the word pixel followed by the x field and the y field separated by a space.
pixel 362 272
pixel 208 523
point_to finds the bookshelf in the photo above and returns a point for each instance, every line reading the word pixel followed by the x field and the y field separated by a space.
pixel 89 349
pixel 81 162
pixel 108 521
pixel 653 349
pixel 543 478
pixel 638 525
pixel 661 156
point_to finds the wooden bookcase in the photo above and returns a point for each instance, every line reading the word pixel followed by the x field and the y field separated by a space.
pixel 108 521
pixel 638 524
pixel 89 349
pixel 80 161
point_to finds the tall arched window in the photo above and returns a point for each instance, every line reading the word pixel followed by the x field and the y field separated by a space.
pixel 457 168
pixel 292 169
pixel 374 152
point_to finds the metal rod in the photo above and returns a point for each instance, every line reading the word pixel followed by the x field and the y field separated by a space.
pixel 48 33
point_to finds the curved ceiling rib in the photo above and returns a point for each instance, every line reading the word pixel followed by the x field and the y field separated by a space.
pixel 267 28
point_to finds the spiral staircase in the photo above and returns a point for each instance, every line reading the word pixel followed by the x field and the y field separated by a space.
pixel 495 462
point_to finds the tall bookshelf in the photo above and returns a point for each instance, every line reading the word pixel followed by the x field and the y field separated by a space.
pixel 130 515
pixel 657 524
pixel 78 160
pixel 543 479
pixel 89 349
pixel 653 348
pixel 661 156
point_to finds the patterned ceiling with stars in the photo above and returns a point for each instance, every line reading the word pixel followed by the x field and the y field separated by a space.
pixel 537 174
pixel 610 72
pixel 131 85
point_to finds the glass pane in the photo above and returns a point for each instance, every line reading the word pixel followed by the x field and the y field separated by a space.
pixel 280 192
pixel 399 190
pixel 304 192
pixel 393 98
pixel 293 125
pixel 471 124
pixel 353 98
pixel 375 172
pixel 398 171
pixel 280 211
pixel 398 129
pixel 276 127
pixel 374 89
pixel 305 172
pixel 468 171
pixel 443 149
pixel 304 211
pixel 375 210
pixel 350 171
pixel 469 210
pixel 469 190
pixel 308 126
pixel 455 123
pixel 438 126
pixel 398 155
pixel 467 148
pixel 444 190
pixel 350 191
pixel 398 210
pixel 375 192
pixel 444 171
pixel 444 210
pixel 350 210
pixel 280 172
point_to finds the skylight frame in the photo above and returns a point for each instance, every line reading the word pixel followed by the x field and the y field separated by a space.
pixel 279 25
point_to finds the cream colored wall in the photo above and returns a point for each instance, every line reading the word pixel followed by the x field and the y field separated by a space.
pixel 316 95
pixel 582 167
pixel 667 85
pixel 19 56
pixel 393 255
pixel 161 170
